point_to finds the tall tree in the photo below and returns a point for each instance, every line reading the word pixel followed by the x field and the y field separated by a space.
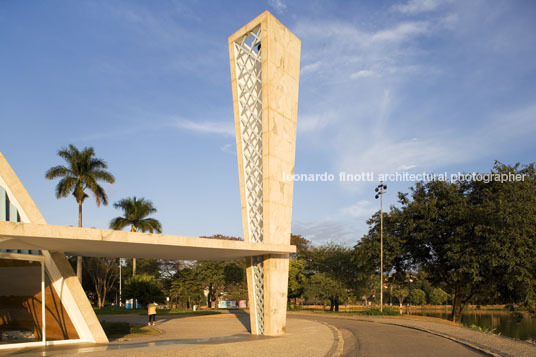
pixel 322 286
pixel 82 173
pixel 438 296
pixel 303 245
pixel 296 279
pixel 441 238
pixel 334 262
pixel 187 288
pixel 475 238
pixel 144 289
pixel 212 275
pixel 508 224
pixel 135 215
pixel 104 273
pixel 401 294
pixel 366 255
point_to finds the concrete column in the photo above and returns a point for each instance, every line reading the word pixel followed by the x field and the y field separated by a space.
pixel 275 296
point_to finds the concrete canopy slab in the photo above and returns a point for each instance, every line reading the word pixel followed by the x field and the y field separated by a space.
pixel 91 242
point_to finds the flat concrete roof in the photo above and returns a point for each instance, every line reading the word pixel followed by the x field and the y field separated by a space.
pixel 92 242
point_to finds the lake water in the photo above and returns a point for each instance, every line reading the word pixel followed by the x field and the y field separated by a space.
pixel 520 325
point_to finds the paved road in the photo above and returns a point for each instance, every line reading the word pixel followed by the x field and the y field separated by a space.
pixel 363 338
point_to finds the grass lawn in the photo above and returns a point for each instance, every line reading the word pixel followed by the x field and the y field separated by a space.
pixel 368 312
pixel 123 311
pixel 115 330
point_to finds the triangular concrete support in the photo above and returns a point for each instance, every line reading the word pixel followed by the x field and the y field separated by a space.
pixel 64 280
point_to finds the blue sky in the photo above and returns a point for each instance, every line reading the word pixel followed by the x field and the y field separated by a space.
pixel 385 86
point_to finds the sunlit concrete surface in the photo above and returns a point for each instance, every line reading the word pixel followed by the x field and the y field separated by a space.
pixel 223 335
pixel 91 242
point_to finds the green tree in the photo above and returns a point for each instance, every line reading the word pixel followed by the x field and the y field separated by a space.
pixel 296 278
pixel 135 215
pixel 322 286
pixel 439 230
pixel 82 173
pixel 508 226
pixel 303 245
pixel 212 275
pixel 235 280
pixel 366 254
pixel 145 289
pixel 417 297
pixel 336 262
pixel 475 238
pixel 145 266
pixel 187 289
pixel 103 273
pixel 401 294
pixel 421 282
pixel 222 278
pixel 438 296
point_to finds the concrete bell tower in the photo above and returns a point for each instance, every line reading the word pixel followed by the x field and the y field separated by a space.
pixel 265 67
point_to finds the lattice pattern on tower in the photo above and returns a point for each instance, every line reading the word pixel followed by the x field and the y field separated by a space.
pixel 249 85
pixel 248 69
pixel 258 289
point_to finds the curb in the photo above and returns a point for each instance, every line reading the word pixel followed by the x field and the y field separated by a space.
pixel 337 348
pixel 461 342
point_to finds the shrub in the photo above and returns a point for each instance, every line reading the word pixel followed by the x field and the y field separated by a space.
pixel 145 289
pixel 438 296
pixel 417 297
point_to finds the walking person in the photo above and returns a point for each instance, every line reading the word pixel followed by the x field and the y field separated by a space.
pixel 151 311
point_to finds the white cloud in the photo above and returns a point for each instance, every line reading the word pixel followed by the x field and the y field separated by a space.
pixel 337 48
pixel 228 149
pixel 206 127
pixel 314 122
pixel 362 210
pixel 407 167
pixel 401 32
pixel 362 74
pixel 310 68
pixel 413 7
pixel 327 230
pixel 388 153
pixel 278 5
pixel 450 21
pixel 379 124
pixel 392 154
pixel 366 137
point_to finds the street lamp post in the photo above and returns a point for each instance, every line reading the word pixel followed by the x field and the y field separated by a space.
pixel 120 283
pixel 379 194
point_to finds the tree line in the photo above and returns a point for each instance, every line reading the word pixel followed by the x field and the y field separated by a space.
pixel 466 241
pixel 462 242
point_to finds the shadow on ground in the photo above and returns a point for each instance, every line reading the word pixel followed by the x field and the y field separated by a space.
pixel 243 317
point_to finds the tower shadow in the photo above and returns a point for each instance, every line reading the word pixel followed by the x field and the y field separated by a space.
pixel 243 317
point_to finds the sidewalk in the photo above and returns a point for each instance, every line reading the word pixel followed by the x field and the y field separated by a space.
pixel 492 344
pixel 212 335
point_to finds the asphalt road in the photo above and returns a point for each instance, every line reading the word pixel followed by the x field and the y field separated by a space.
pixel 363 338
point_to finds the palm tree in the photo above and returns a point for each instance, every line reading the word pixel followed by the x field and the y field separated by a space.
pixel 135 212
pixel 82 172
